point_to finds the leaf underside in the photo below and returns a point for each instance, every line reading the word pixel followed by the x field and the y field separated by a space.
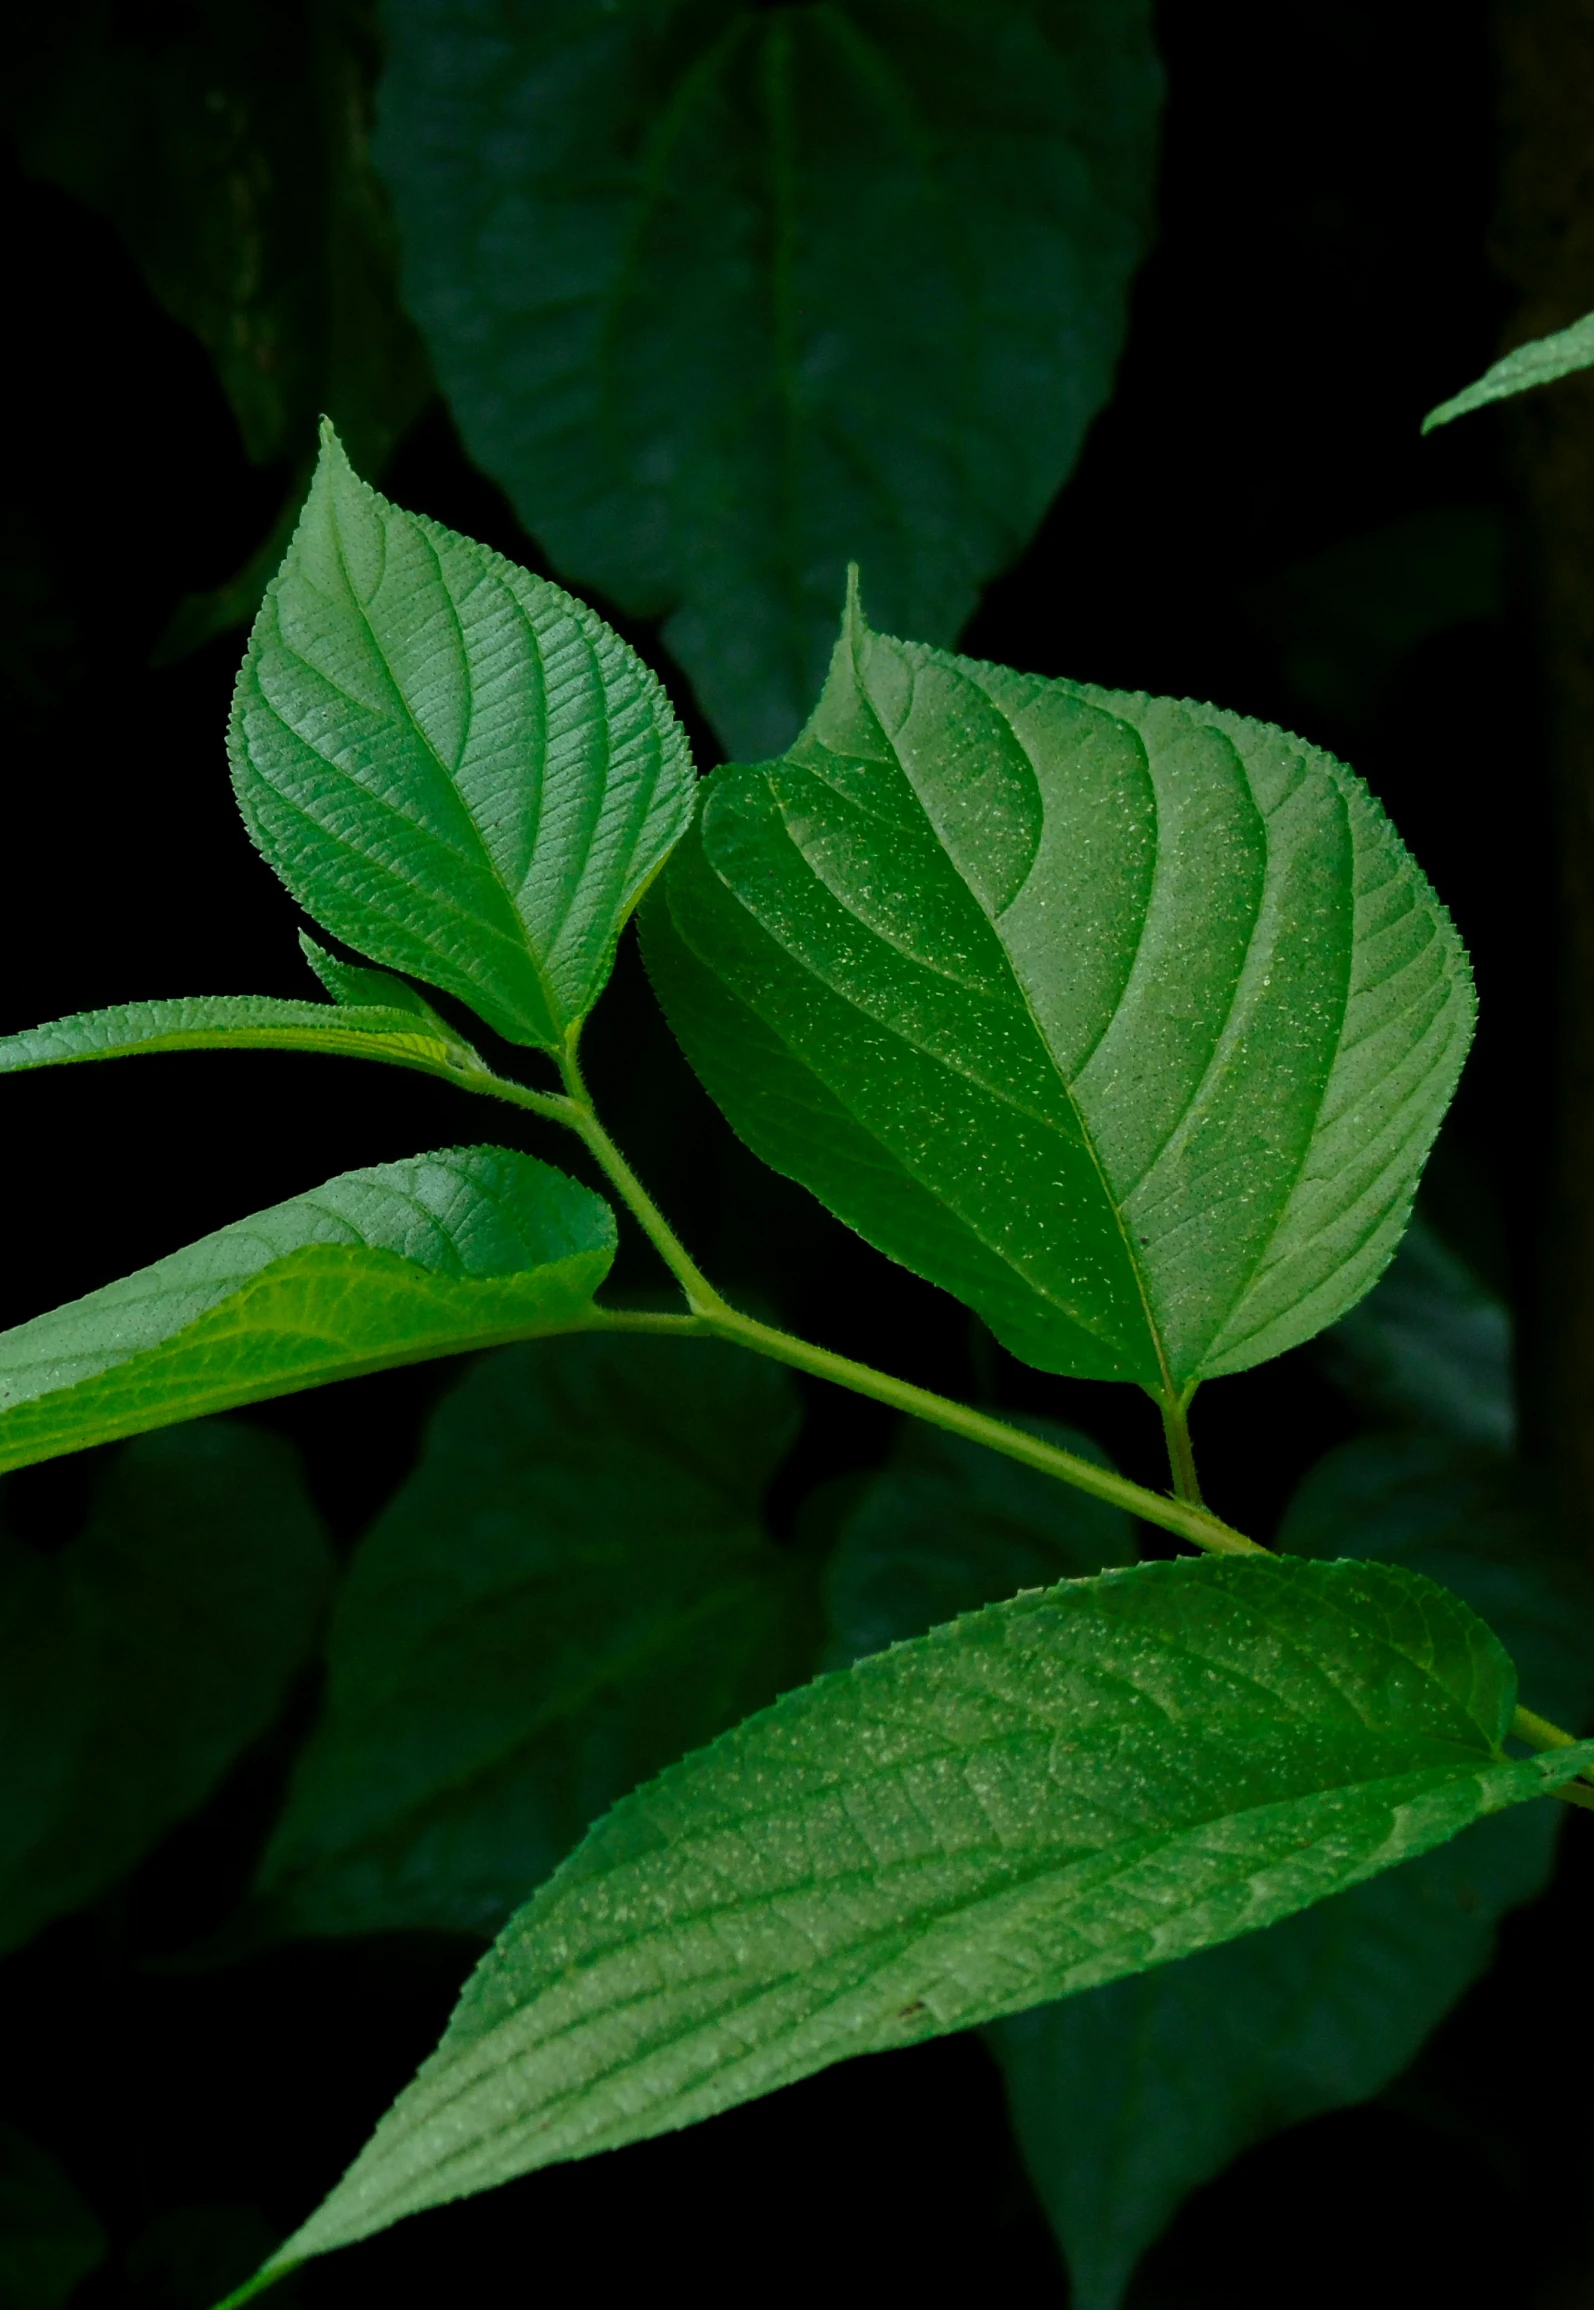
pixel 572 1590
pixel 429 1257
pixel 726 297
pixel 1042 1797
pixel 455 767
pixel 1129 1022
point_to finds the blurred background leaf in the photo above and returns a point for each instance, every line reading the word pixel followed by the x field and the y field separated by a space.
pixel 50 2237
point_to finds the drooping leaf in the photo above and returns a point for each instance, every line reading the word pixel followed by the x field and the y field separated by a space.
pixel 462 1249
pixel 1128 2098
pixel 949 1526
pixel 454 766
pixel 572 1590
pixel 1430 1345
pixel 1539 362
pixel 727 297
pixel 1129 1022
pixel 141 1657
pixel 228 144
pixel 50 2237
pixel 1046 1795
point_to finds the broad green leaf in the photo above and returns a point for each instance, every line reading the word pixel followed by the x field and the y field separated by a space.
pixel 571 1591
pixel 949 1526
pixel 1044 1796
pixel 1129 1022
pixel 1539 362
pixel 726 297
pixel 1127 2099
pixel 50 2237
pixel 456 768
pixel 1431 1346
pixel 462 1249
pixel 141 1658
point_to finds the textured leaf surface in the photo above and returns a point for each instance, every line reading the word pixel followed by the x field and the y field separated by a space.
pixel 50 2237
pixel 727 297
pixel 139 1659
pixel 1129 1022
pixel 424 1258
pixel 572 1590
pixel 454 766
pixel 1430 1345
pixel 403 1038
pixel 1537 363
pixel 949 1526
pixel 1044 1796
pixel 1127 2099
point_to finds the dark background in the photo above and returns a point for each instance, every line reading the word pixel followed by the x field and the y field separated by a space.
pixel 1321 278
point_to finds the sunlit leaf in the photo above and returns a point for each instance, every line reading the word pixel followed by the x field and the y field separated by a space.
pixel 572 1590
pixel 445 1252
pixel 140 1658
pixel 727 296
pixel 454 766
pixel 1128 2098
pixel 1045 1796
pixel 1129 1022
pixel 1539 362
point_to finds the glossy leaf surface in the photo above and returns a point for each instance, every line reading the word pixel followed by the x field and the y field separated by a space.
pixel 1129 1022
pixel 1042 1797
pixel 1540 362
pixel 444 1252
pixel 141 1658
pixel 456 768
pixel 1128 2098
pixel 572 1590
pixel 726 297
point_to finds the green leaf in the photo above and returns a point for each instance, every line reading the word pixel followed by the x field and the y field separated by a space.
pixel 1539 362
pixel 1129 1022
pixel 1430 1345
pixel 456 768
pixel 462 1249
pixel 142 1657
pixel 230 150
pixel 1127 2099
pixel 50 2237
pixel 949 1526
pixel 726 297
pixel 1047 1795
pixel 406 1036
pixel 573 1589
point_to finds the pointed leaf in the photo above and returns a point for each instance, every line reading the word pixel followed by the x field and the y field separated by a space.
pixel 1539 362
pixel 50 2237
pixel 949 1526
pixel 403 1036
pixel 444 1252
pixel 726 297
pixel 571 1591
pixel 142 1657
pixel 454 766
pixel 1129 1022
pixel 1047 1795
pixel 1128 2098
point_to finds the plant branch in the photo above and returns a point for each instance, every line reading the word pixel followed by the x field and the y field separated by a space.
pixel 1181 1453
pixel 1539 1733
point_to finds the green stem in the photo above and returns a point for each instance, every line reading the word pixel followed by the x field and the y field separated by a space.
pixel 1181 1453
pixel 716 1317
pixel 1539 1733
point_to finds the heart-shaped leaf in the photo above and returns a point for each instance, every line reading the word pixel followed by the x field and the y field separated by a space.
pixel 454 766
pixel 572 1590
pixel 728 296
pixel 141 1657
pixel 1042 1797
pixel 428 1257
pixel 1129 1022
